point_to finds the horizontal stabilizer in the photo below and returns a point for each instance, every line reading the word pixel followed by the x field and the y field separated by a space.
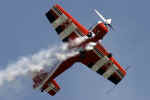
pixel 52 88
pixel 41 82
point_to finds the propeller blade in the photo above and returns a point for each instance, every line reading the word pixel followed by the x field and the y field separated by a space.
pixel 105 21
pixel 111 27
pixel 128 67
pixel 100 15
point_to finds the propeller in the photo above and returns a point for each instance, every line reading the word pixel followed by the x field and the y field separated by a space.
pixel 107 22
pixel 128 67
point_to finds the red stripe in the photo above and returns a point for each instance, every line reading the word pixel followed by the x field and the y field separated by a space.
pixel 55 84
pixel 72 36
pixel 118 65
pixel 102 49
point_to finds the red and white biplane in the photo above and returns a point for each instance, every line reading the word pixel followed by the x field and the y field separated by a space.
pixel 97 59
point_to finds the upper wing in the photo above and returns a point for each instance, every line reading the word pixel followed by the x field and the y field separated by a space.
pixel 105 65
pixel 64 24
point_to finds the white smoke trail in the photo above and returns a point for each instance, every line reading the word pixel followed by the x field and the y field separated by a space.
pixel 76 42
pixel 25 66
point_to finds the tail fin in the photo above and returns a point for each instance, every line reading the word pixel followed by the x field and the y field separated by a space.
pixel 52 88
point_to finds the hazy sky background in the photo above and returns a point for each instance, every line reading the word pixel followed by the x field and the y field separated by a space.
pixel 24 30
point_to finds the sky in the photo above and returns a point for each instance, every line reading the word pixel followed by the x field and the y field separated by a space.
pixel 24 30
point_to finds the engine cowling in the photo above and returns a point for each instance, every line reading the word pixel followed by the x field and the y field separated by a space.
pixel 100 28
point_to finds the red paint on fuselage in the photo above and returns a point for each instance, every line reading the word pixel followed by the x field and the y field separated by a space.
pixel 101 29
